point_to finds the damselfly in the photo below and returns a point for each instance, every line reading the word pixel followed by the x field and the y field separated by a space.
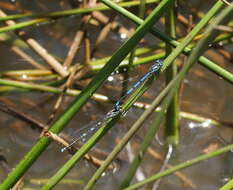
pixel 154 69
pixel 91 129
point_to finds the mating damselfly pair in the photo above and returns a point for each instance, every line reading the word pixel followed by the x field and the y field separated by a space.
pixel 154 69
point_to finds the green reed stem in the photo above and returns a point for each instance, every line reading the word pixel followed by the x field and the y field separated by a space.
pixel 57 14
pixel 172 116
pixel 131 56
pixel 22 24
pixel 97 64
pixel 178 167
pixel 73 11
pixel 228 185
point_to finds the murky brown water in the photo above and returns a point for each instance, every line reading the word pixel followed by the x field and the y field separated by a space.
pixel 203 93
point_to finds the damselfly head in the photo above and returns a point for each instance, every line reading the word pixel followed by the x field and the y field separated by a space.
pixel 158 64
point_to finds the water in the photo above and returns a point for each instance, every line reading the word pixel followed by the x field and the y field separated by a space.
pixel 202 93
